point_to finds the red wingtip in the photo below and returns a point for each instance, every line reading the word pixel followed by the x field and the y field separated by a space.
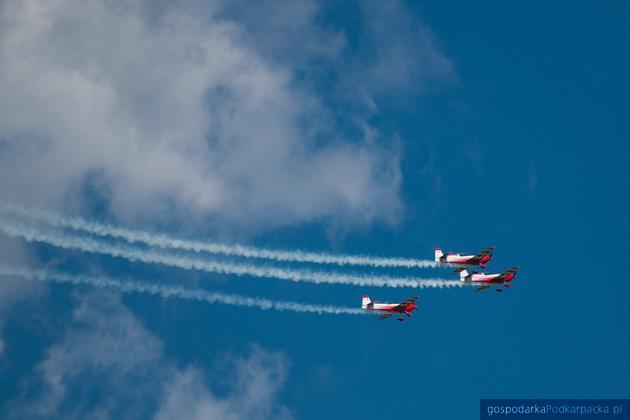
pixel 364 296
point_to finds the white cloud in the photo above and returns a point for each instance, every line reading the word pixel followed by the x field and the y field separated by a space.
pixel 107 365
pixel 176 112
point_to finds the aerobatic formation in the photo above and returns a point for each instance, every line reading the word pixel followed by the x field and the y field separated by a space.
pixel 240 263
pixel 461 264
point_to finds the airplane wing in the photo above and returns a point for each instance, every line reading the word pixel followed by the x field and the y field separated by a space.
pixel 385 316
pixel 502 277
pixel 480 255
pixel 402 305
pixel 482 288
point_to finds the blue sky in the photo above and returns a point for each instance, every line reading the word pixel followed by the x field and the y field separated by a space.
pixel 380 130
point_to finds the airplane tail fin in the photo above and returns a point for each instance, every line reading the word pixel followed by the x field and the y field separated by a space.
pixel 365 301
pixel 462 275
pixel 438 254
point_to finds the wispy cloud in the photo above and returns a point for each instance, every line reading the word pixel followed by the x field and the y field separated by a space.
pixel 107 365
pixel 398 55
pixel 11 289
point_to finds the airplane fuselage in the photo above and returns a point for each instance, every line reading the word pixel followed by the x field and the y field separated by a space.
pixel 488 278
pixel 465 259
pixel 461 261
pixel 389 307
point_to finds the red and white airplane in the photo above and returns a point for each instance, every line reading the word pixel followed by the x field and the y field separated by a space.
pixel 390 309
pixel 488 280
pixel 462 261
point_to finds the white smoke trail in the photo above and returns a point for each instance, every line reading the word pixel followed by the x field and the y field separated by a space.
pixel 165 241
pixel 15 229
pixel 167 291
